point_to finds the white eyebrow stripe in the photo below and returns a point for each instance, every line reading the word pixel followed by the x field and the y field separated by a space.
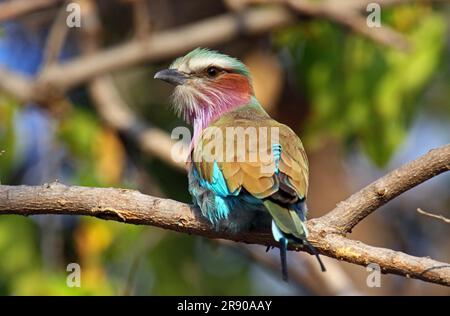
pixel 198 64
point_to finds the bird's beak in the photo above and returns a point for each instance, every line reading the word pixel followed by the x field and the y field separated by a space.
pixel 171 76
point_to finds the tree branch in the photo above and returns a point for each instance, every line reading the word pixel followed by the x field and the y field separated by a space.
pixel 166 44
pixel 326 233
pixel 120 205
pixel 58 78
pixel 15 8
pixel 15 85
pixel 361 204
pixel 346 14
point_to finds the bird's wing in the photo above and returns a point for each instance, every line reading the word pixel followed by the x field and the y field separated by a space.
pixel 280 172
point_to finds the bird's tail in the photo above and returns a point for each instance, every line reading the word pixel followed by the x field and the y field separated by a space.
pixel 288 227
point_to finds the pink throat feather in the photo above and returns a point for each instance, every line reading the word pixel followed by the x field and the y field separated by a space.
pixel 211 107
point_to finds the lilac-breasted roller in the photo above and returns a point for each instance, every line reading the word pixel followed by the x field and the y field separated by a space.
pixel 241 159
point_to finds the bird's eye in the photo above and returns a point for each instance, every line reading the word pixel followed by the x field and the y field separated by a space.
pixel 212 71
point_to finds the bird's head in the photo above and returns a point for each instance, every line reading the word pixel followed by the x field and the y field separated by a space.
pixel 207 85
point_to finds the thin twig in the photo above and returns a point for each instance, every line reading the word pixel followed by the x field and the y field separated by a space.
pixel 440 217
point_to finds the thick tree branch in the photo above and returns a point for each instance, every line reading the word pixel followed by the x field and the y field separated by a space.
pixel 390 261
pixel 326 233
pixel 135 208
pixel 115 204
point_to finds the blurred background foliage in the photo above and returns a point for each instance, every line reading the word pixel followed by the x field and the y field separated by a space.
pixel 356 104
pixel 361 91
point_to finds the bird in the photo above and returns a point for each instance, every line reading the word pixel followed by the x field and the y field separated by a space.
pixel 241 160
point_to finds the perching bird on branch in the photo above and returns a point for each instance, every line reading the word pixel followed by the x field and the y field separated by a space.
pixel 241 159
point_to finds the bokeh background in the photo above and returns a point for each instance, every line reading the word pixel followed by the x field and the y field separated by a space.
pixel 360 106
